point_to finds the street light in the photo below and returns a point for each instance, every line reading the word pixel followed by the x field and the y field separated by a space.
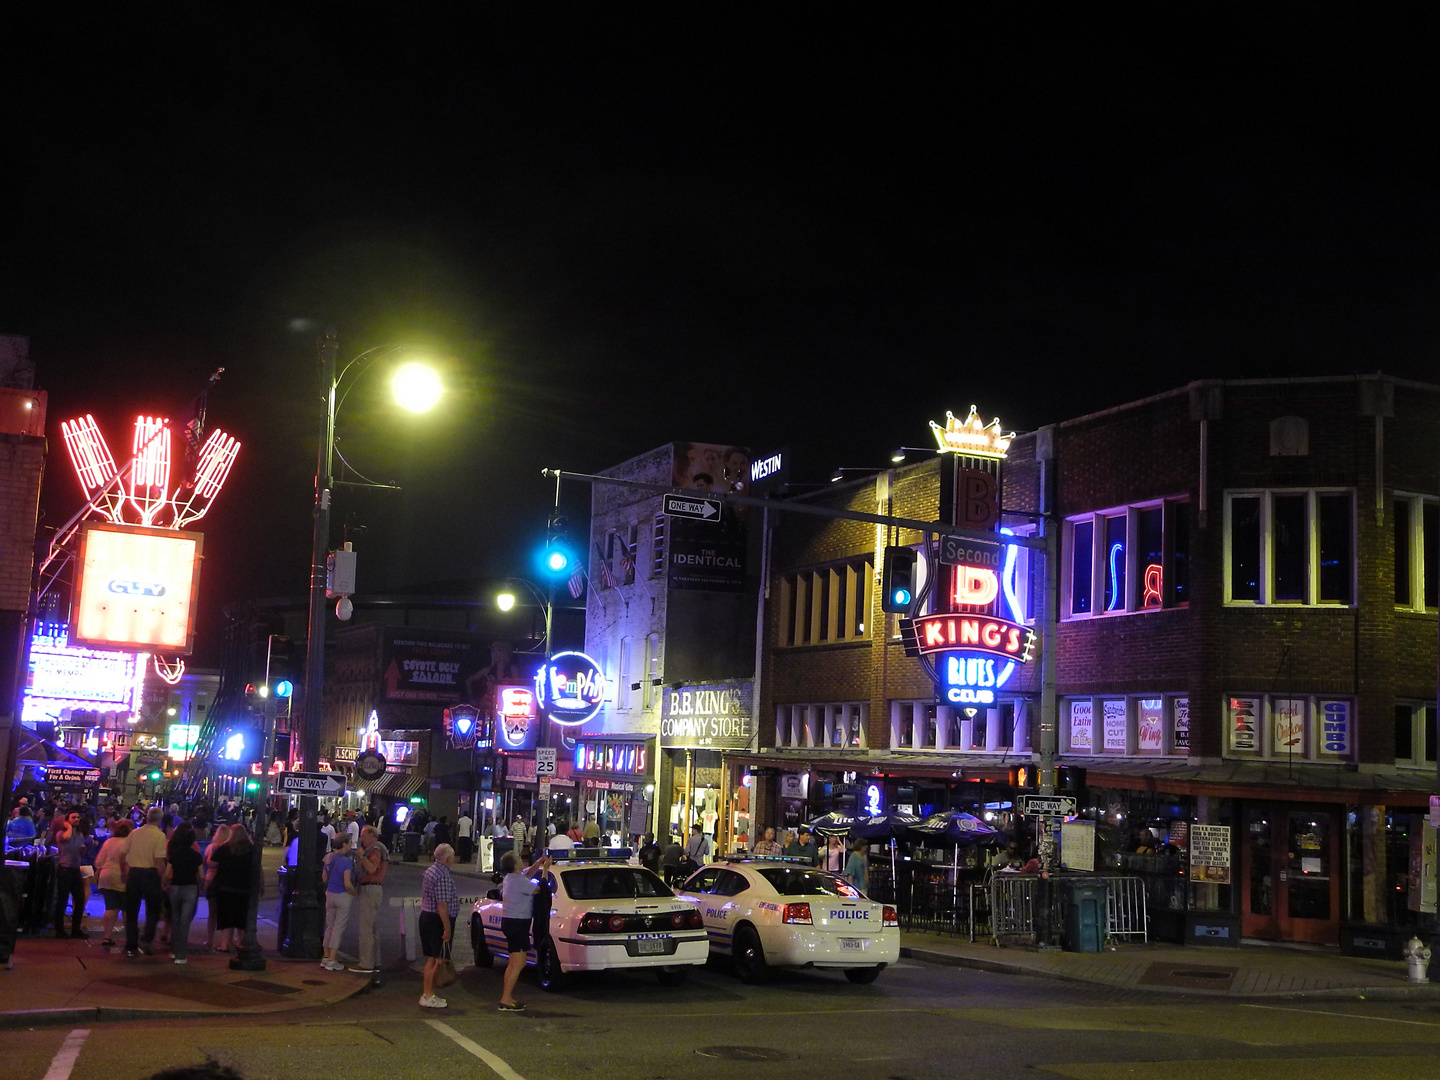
pixel 417 388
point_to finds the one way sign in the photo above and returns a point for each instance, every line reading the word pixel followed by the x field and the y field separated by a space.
pixel 694 507
pixel 312 783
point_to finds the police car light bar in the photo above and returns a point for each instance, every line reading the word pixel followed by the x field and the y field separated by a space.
pixel 737 857
pixel 592 854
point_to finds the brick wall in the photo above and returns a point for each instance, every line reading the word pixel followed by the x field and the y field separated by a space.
pixel 22 465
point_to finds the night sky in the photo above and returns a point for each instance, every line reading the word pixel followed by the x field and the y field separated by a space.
pixel 617 226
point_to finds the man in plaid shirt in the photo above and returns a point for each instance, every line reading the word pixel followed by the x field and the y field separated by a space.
pixel 439 907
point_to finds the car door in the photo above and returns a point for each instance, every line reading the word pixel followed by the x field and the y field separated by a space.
pixel 727 899
pixel 698 889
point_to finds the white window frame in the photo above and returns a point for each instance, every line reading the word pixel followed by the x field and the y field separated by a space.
pixel 1311 751
pixel 1418 719
pixel 1099 560
pixel 1132 749
pixel 1267 547
pixel 1418 552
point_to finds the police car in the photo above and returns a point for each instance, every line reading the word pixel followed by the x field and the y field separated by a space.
pixel 603 914
pixel 765 913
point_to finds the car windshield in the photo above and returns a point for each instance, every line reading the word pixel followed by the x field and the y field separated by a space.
pixel 611 883
pixel 792 881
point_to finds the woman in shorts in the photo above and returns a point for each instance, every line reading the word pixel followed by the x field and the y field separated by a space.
pixel 111 882
pixel 517 898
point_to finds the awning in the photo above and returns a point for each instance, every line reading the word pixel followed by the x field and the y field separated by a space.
pixel 397 786
pixel 37 751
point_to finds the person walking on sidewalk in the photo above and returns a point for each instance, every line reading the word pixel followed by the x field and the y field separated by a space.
pixel 439 906
pixel 219 839
pixel 111 880
pixel 371 863
pixel 142 858
pixel 340 890
pixel 184 861
pixel 70 884
pixel 857 866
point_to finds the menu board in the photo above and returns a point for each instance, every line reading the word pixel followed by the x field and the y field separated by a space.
pixel 1113 713
pixel 1243 715
pixel 1150 725
pixel 1288 725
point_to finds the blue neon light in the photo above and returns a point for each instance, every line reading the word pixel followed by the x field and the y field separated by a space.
pixel 1115 549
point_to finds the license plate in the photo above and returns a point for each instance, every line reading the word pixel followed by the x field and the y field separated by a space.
pixel 858 944
pixel 650 947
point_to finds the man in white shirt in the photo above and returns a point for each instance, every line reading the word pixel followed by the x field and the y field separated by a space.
pixel 561 842
pixel 464 832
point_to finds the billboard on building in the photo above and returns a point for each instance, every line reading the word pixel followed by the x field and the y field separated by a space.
pixel 709 555
pixel 138 588
pixel 428 668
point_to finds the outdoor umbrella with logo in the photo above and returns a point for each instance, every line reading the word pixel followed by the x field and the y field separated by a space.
pixel 959 828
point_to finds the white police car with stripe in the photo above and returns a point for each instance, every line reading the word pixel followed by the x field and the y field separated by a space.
pixel 765 913
pixel 604 914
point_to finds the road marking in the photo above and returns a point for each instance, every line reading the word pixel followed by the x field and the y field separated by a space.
pixel 470 1045
pixel 1347 1016
pixel 64 1061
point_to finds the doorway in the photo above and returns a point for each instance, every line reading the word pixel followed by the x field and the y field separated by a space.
pixel 1290 874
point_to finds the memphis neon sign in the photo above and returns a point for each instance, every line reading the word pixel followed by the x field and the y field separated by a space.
pixel 570 688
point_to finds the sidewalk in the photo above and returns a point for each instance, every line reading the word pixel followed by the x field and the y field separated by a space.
pixel 64 980
pixel 1247 971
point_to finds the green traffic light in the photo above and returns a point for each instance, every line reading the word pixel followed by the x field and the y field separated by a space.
pixel 417 800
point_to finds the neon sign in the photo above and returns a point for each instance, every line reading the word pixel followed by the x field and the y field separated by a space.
pixel 1154 580
pixel 62 676
pixel 570 688
pixel 516 716
pixel 146 495
pixel 872 800
pixel 976 633
pixel 138 587
pixel 972 436
pixel 975 586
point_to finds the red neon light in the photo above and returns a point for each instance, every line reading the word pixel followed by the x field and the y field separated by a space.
pixel 976 586
pixel 1154 580
pixel 974 633
pixel 146 495
pixel 516 702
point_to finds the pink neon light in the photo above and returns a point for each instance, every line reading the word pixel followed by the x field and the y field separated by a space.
pixel 88 453
pixel 146 490
pixel 168 671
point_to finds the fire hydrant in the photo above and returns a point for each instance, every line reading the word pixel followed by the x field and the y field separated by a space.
pixel 1417 956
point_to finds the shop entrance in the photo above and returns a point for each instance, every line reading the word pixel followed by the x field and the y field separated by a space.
pixel 1290 874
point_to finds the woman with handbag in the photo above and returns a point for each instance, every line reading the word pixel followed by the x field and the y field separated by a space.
pixel 439 906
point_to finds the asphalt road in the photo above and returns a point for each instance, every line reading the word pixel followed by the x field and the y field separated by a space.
pixel 917 1022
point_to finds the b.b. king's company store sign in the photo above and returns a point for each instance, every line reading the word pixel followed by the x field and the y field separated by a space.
pixel 708 716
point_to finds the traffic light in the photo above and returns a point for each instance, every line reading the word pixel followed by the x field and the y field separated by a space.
pixel 898 580
pixel 557 559
pixel 252 785
pixel 285 666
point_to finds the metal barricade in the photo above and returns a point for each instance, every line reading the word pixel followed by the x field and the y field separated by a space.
pixel 1126 915
pixel 1014 899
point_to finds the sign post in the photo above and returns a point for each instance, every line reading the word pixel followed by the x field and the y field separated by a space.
pixel 1047 805
pixel 692 507
pixel 326 784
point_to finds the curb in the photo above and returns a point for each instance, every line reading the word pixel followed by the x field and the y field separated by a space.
pixel 1369 993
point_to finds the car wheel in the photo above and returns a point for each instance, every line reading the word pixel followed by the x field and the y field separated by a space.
pixel 547 966
pixel 672 976
pixel 484 958
pixel 748 956
pixel 863 976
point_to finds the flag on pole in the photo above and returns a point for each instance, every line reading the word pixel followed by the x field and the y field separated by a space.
pixel 605 574
pixel 627 561
pixel 577 583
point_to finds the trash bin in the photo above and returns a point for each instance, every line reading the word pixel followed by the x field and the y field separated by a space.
pixel 1085 915
pixel 12 896
pixel 412 846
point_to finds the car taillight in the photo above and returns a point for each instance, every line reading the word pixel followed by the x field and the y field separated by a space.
pixel 592 924
pixel 617 923
pixel 677 919
pixel 891 917
pixel 797 913
pixel 691 920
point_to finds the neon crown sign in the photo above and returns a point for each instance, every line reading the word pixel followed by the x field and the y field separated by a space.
pixel 146 496
pixel 972 436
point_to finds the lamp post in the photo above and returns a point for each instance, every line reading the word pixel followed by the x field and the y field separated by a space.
pixel 417 389
pixel 505 601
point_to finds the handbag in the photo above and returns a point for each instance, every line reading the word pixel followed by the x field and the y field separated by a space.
pixel 445 973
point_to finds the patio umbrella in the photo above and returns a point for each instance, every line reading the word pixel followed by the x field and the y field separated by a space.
pixel 957 827
pixel 834 823
pixel 883 826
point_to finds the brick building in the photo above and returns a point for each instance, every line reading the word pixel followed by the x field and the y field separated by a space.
pixel 1246 642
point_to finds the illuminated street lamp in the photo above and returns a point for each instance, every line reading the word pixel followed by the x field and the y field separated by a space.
pixel 416 388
